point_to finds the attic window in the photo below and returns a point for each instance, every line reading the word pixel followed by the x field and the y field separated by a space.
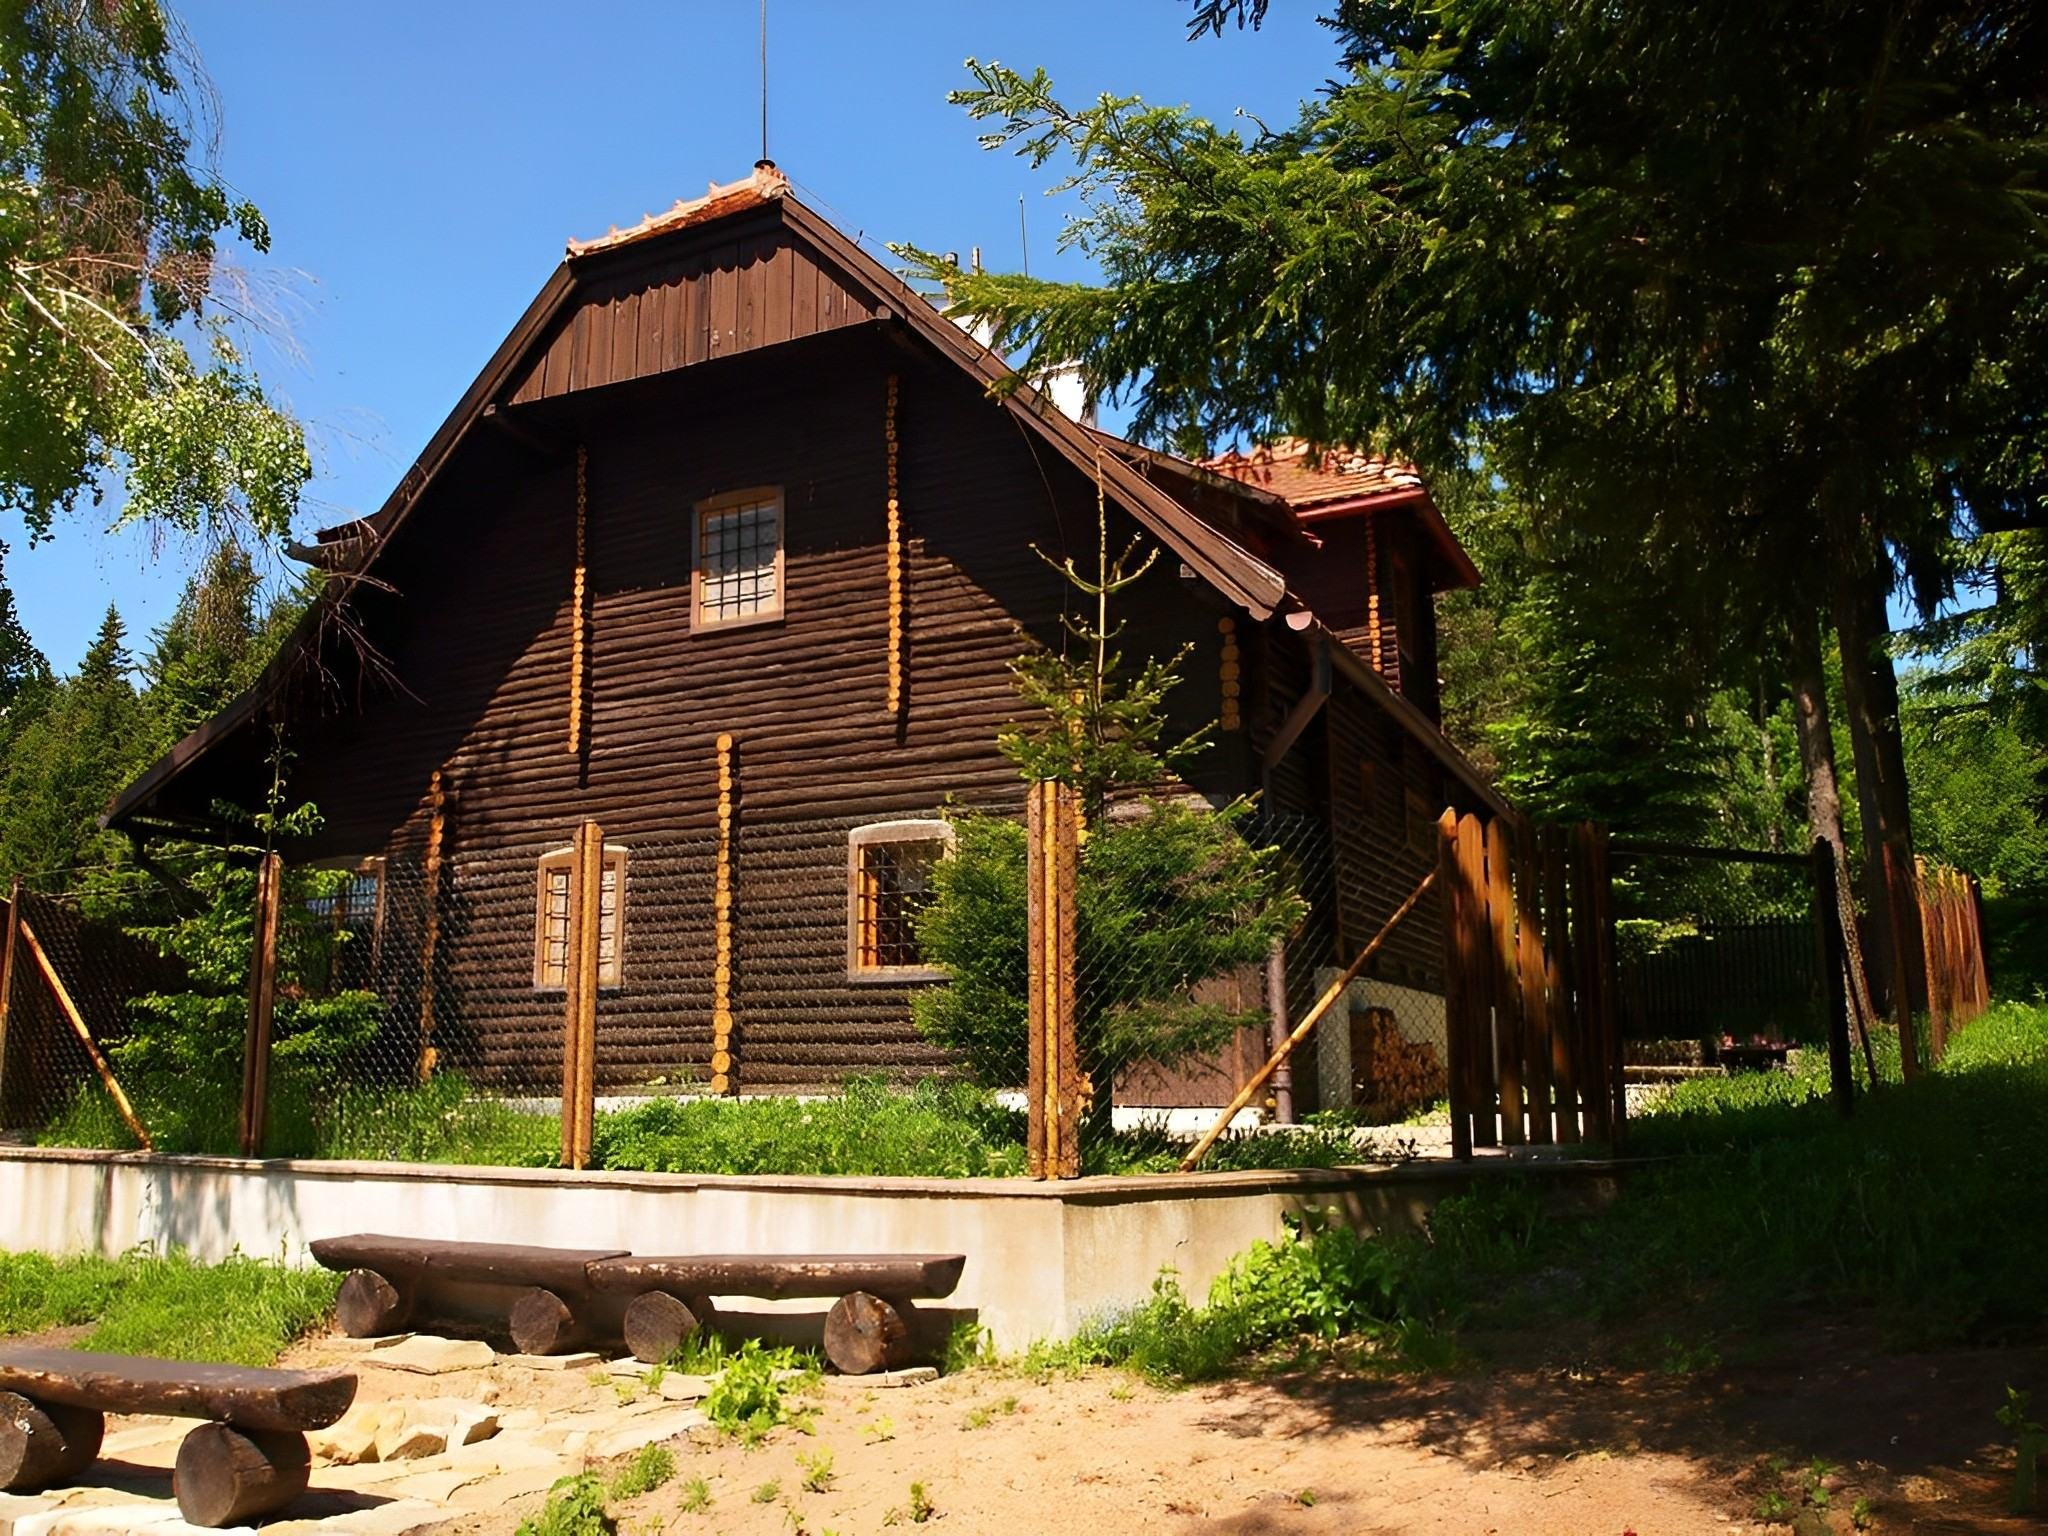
pixel 889 879
pixel 552 933
pixel 736 575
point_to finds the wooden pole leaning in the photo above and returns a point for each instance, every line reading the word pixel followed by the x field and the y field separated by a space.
pixel 1898 888
pixel 78 1027
pixel 1306 1027
pixel 254 1117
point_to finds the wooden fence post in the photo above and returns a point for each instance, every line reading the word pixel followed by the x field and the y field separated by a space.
pixel 7 982
pixel 1457 984
pixel 1507 990
pixel 1607 989
pixel 1834 976
pixel 723 1078
pixel 1053 1094
pixel 1536 1016
pixel 1896 891
pixel 430 938
pixel 255 1114
pixel 1559 973
pixel 1277 1030
pixel 579 1009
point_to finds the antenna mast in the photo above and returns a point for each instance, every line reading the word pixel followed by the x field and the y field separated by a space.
pixel 764 79
pixel 1023 230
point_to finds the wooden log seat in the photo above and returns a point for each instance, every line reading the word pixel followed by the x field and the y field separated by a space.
pixel 250 1459
pixel 868 1328
pixel 557 1299
pixel 543 1294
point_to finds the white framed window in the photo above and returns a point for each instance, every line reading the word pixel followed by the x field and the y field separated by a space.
pixel 889 868
pixel 551 932
pixel 736 559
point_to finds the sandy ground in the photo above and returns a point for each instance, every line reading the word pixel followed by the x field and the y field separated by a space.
pixel 1550 1449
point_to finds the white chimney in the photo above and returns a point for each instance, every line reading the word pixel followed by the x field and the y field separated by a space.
pixel 1064 385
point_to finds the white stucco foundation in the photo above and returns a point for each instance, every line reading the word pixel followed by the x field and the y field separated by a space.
pixel 1043 1258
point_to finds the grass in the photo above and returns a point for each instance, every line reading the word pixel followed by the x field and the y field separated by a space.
pixel 1765 1202
pixel 440 1121
pixel 241 1311
pixel 650 1469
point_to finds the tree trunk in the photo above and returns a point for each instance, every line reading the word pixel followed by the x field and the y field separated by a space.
pixel 1824 805
pixel 1870 687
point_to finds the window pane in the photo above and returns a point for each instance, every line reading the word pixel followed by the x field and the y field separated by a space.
pixel 894 885
pixel 736 548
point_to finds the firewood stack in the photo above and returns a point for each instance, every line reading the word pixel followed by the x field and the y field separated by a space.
pixel 1391 1075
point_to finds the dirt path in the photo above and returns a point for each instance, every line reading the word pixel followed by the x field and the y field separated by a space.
pixel 1524 1451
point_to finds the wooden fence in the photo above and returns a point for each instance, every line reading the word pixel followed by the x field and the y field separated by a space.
pixel 1531 1028
pixel 1951 920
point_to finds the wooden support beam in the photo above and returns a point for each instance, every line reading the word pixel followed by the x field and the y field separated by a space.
pixel 1507 982
pixel 1054 1090
pixel 723 1080
pixel 1323 1004
pixel 1559 971
pixel 579 602
pixel 893 693
pixel 430 935
pixel 78 1027
pixel 1229 676
pixel 1533 983
pixel 579 1007
pixel 255 1112
pixel 1306 708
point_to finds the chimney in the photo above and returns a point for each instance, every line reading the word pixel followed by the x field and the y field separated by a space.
pixel 1068 391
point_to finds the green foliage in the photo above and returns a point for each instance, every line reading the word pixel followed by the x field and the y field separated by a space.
pixel 1977 788
pixel 2031 1444
pixel 241 1311
pixel 109 239
pixel 696 1496
pixel 575 1507
pixel 651 1467
pixel 934 1129
pixel 751 1394
pixel 1167 896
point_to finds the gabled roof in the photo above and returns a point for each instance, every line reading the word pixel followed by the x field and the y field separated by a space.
pixel 352 550
pixel 1307 477
pixel 1327 484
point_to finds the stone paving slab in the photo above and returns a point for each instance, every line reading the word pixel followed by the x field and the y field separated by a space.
pixel 576 1360
pixel 427 1355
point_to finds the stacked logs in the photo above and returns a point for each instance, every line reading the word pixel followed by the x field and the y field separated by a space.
pixel 1391 1075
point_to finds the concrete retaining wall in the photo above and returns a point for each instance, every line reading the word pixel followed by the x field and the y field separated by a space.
pixel 1043 1258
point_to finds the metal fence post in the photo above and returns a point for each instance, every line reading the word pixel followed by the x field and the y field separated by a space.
pixel 262 1002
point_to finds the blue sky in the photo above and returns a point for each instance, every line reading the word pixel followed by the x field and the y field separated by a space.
pixel 421 165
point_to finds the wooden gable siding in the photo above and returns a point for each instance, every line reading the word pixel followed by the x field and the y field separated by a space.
pixel 723 298
pixel 482 636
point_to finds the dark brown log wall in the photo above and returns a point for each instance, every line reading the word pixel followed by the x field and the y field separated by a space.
pixel 480 636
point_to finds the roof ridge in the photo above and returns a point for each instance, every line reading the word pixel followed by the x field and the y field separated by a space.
pixel 763 183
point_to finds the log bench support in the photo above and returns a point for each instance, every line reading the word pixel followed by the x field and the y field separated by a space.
pixel 559 1299
pixel 249 1459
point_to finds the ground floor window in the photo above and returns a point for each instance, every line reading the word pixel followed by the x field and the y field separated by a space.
pixel 889 870
pixel 552 935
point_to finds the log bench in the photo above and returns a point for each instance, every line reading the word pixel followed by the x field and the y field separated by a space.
pixel 556 1299
pixel 868 1328
pixel 249 1459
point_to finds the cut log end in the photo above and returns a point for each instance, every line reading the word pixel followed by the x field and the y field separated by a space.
pixel 864 1333
pixel 542 1324
pixel 658 1324
pixel 45 1444
pixel 370 1306
pixel 224 1475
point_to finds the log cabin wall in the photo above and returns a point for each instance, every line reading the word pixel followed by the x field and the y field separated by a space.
pixel 480 633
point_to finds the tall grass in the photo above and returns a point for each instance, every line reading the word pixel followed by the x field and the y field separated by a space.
pixel 242 1311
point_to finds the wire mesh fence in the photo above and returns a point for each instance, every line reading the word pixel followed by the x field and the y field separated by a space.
pixel 422 1006
pixel 1719 953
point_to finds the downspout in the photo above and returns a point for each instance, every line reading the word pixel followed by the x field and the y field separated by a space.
pixel 1306 708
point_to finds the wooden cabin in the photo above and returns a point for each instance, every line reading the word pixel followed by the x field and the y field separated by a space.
pixel 729 548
